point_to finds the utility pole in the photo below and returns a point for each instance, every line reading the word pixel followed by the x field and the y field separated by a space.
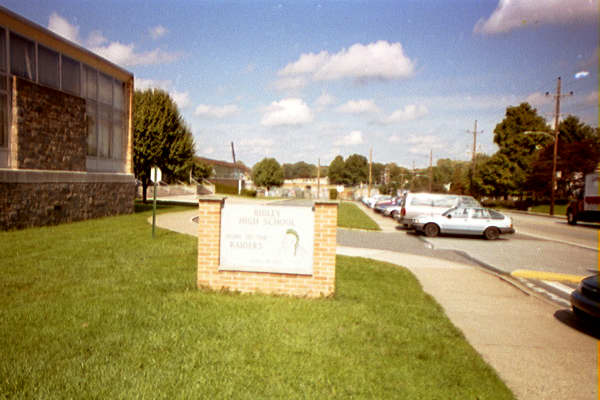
pixel 557 97
pixel 473 159
pixel 475 133
pixel 235 174
pixel 318 178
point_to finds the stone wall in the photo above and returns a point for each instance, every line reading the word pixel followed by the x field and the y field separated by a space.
pixel 38 202
pixel 48 128
pixel 320 283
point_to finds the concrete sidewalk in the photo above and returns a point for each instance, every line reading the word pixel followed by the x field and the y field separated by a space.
pixel 537 348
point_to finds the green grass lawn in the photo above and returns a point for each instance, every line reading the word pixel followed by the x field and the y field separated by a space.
pixel 98 309
pixel 545 209
pixel 350 216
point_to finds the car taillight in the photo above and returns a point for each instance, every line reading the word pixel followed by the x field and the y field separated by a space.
pixel 403 211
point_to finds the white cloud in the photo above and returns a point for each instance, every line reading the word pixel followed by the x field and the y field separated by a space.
pixel 290 111
pixel 96 39
pixel 539 99
pixel 515 14
pixel 424 144
pixel 379 60
pixel 117 52
pixel 62 27
pixel 208 150
pixel 358 107
pixel 352 139
pixel 210 111
pixel 324 100
pixel 290 83
pixel 142 84
pixel 124 54
pixel 408 113
pixel 182 99
pixel 158 31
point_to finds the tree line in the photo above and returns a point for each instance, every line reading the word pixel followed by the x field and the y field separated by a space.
pixel 521 167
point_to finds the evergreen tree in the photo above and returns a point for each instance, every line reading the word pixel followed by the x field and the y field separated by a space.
pixel 160 138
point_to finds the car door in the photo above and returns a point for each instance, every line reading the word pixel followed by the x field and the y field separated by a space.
pixel 455 221
pixel 480 219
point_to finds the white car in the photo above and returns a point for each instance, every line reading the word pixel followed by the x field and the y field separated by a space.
pixel 413 205
pixel 465 221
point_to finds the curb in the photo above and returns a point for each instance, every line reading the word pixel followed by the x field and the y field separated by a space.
pixel 546 276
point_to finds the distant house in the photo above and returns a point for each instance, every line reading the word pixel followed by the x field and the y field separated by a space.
pixel 226 173
pixel 65 129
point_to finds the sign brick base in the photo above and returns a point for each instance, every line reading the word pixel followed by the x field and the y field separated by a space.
pixel 320 283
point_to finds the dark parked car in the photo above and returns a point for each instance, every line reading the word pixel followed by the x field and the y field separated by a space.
pixel 585 300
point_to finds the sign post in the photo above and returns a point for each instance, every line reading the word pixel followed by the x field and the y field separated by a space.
pixel 157 173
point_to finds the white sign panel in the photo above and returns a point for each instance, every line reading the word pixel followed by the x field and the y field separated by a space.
pixel 267 239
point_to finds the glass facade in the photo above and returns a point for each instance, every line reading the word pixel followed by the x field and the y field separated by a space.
pixel 106 108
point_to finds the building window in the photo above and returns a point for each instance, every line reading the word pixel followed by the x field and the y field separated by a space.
pixel 105 113
pixel 3 91
pixel 71 79
pixel 48 67
pixel 90 115
pixel 22 57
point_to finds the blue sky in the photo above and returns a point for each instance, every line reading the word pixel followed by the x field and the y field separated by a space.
pixel 306 80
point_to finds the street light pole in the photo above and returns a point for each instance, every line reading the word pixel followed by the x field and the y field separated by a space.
pixel 557 113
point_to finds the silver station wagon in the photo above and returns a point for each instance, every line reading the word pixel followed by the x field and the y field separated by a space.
pixel 465 221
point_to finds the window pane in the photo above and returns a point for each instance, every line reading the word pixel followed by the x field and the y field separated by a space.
pixel 91 127
pixel 119 94
pixel 48 66
pixel 3 119
pixel 105 89
pixel 2 50
pixel 22 57
pixel 70 75
pixel 90 83
pixel 104 128
pixel 117 139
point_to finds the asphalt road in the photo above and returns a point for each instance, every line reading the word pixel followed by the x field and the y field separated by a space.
pixel 540 244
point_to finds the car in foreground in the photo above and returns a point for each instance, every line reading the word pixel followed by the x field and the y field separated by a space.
pixel 585 300
pixel 465 221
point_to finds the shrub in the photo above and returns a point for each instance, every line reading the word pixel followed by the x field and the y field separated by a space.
pixel 225 189
pixel 248 192
pixel 333 194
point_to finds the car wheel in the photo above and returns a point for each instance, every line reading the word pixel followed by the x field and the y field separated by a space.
pixel 491 233
pixel 571 219
pixel 394 214
pixel 431 230
pixel 580 313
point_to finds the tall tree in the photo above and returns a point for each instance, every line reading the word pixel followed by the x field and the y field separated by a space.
pixel 515 145
pixel 578 153
pixel 267 173
pixel 336 171
pixel 161 138
pixel 356 170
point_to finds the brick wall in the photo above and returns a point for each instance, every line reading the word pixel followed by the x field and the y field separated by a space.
pixel 48 128
pixel 321 283
pixel 28 199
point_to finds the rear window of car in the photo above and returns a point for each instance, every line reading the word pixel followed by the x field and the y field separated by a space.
pixel 467 201
pixel 496 215
pixel 421 201
pixel 444 202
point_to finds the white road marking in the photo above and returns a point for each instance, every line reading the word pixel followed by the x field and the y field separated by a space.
pixel 559 286
pixel 546 293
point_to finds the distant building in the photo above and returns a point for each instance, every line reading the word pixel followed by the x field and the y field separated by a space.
pixel 65 129
pixel 226 173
